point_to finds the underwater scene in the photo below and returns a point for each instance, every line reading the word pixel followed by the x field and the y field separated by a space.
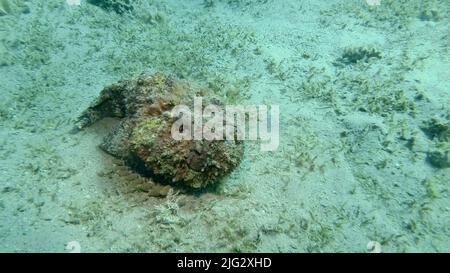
pixel 225 126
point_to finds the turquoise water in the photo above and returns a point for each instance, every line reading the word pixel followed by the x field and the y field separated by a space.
pixel 363 162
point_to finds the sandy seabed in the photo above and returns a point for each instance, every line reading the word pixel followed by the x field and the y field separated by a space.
pixel 364 149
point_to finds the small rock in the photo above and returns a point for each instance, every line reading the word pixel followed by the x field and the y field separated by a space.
pixel 439 159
